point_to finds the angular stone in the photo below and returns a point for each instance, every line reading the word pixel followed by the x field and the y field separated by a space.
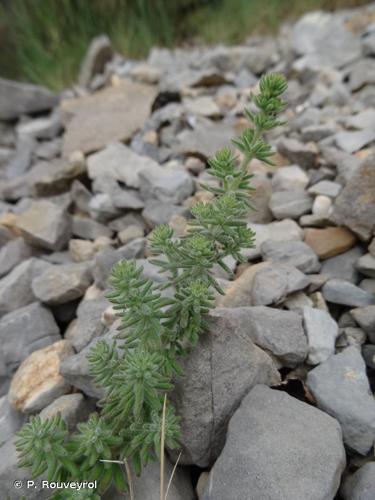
pixel 43 224
pixel 343 266
pixel 341 388
pixel 202 105
pixel 99 52
pixel 368 285
pixel 329 241
pixel 12 254
pixel 89 229
pixel 345 293
pixel 365 318
pixel 18 98
pixel 25 330
pixel 360 485
pixel 366 265
pixel 322 331
pixel 37 381
pixel 218 372
pixel 88 325
pixel 285 230
pixel 15 288
pixel 297 152
pixel 156 212
pixel 81 250
pixel 114 114
pixel 166 185
pixel 274 283
pixel 11 421
pixel 290 204
pixel 327 188
pixel 9 469
pixel 120 163
pixel 296 253
pixel 41 128
pixel 269 437
pixel 361 73
pixel 276 331
pixel 355 205
pixel 350 142
pixel 289 178
pixel 62 283
pixel 204 140
pixel 371 248
pixel 73 408
pixel 327 37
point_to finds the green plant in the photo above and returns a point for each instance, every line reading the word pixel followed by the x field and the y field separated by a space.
pixel 157 330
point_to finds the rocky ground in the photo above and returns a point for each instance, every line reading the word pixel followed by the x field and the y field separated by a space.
pixel 277 399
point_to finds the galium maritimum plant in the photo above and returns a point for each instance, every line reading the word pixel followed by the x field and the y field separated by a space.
pixel 156 330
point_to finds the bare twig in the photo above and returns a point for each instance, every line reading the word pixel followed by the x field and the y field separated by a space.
pixel 162 444
pixel 173 473
pixel 130 480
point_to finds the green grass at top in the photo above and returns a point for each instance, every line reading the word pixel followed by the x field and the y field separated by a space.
pixel 44 41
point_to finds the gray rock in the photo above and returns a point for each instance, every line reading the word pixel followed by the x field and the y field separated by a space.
pixel 345 293
pixel 297 301
pixel 75 370
pixel 274 283
pixel 355 205
pixel 204 140
pixel 166 185
pixel 156 212
pixel 368 285
pixel 43 224
pixel 125 199
pixel 102 208
pixel 361 73
pixel 15 288
pixel 366 265
pixel 98 54
pixel 342 266
pixel 371 248
pixel 365 318
pixel 350 142
pixel 362 120
pixel 21 160
pixel 73 408
pixel 297 152
pixel 321 330
pixel 62 283
pixel 106 259
pixel 42 128
pixel 10 420
pixel 81 196
pixel 120 163
pixel 327 188
pixel 290 204
pixel 296 253
pixel 360 485
pixel 325 39
pixel 341 388
pixel 285 230
pixel 147 486
pixel 115 113
pixel 276 331
pixel 89 229
pixel 368 353
pixel 317 133
pixel 88 325
pixel 17 98
pixel 10 472
pixel 48 150
pixel 12 254
pixel 218 372
pixel 25 330
pixel 289 178
pixel 269 437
